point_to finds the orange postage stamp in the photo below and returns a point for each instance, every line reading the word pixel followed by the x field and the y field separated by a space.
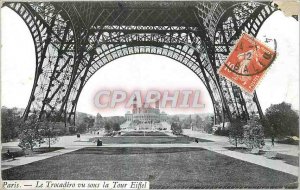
pixel 247 63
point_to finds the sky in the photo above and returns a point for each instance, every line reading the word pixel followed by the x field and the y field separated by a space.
pixel 144 72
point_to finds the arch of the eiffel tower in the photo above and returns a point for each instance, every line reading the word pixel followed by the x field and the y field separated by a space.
pixel 73 40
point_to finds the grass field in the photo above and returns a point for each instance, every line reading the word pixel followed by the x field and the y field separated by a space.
pixel 163 167
pixel 147 140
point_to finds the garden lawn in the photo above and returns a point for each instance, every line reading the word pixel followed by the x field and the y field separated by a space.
pixel 163 167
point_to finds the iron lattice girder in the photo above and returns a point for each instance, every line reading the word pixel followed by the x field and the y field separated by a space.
pixel 191 64
pixel 52 61
pixel 75 39
pixel 132 13
pixel 179 46
pixel 245 17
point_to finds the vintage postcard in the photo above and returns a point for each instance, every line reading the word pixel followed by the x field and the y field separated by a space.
pixel 149 95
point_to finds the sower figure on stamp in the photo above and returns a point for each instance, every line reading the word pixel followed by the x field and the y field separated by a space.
pixel 244 59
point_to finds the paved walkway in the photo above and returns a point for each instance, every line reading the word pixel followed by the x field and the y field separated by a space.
pixel 6 164
pixel 67 142
pixel 292 150
pixel 220 142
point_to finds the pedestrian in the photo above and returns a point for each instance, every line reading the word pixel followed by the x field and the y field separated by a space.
pixel 10 155
pixel 99 142
pixel 272 140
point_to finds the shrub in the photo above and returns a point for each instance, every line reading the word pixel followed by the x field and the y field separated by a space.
pixel 222 132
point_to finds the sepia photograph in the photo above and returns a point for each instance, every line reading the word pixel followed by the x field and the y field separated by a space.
pixel 193 95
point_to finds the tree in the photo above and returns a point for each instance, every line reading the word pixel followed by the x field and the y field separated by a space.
pixel 116 119
pixel 253 133
pixel 81 127
pixel 107 127
pixel 208 124
pixel 186 123
pixel 236 132
pixel 116 127
pixel 89 121
pixel 85 123
pixel 176 128
pixel 174 118
pixel 10 121
pixel 30 133
pixel 197 123
pixel 49 134
pixel 99 122
pixel 281 120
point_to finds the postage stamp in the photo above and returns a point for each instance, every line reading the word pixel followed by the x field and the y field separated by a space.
pixel 247 63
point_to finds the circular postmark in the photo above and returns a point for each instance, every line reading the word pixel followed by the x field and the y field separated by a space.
pixel 250 57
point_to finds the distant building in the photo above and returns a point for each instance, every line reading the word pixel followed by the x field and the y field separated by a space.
pixel 145 114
